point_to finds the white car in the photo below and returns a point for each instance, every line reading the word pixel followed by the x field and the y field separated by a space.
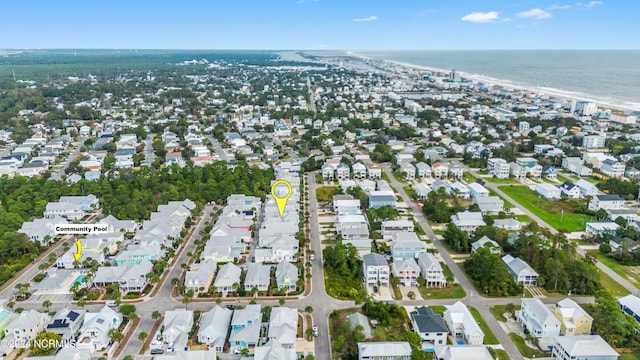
pixel 315 331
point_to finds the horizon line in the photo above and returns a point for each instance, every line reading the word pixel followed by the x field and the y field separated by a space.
pixel 319 50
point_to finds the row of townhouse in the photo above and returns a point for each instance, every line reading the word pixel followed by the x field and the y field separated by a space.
pixel 334 169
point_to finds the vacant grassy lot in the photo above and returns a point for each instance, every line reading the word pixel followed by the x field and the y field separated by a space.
pixel 509 180
pixel 450 292
pixel 326 193
pixel 557 213
pixel 631 273
pixel 499 310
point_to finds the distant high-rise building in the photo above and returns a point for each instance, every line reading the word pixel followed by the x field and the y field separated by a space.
pixel 586 108
pixel 452 75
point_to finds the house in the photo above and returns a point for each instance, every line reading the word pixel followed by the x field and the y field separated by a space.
pixel 586 347
pixel 606 202
pixel 462 325
pixel 421 190
pixel 286 276
pixel 499 168
pixel 423 170
pixel 406 245
pixel 176 327
pixel 431 270
pixel 462 352
pixel 214 327
pixel 66 323
pixel 459 190
pixel 569 190
pixel 327 172
pixel 587 188
pixel 631 305
pixel 199 276
pixel 374 171
pixel 489 205
pixel 549 172
pixel 359 171
pixel 116 225
pixel 573 319
pixel 407 270
pixel 602 228
pixel 382 198
pixel 357 319
pixel 518 171
pixel 228 275
pixel 468 221
pixel 375 269
pixel 439 170
pixel 42 230
pixel 342 171
pixel 408 170
pixel 245 327
pixel 484 241
pixel 521 271
pixel 536 318
pixel 388 350
pixel 429 326
pixel 612 168
pixel 388 227
pixel 507 224
pixel 258 276
pixel 94 333
pixel 476 190
pixel 548 191
pixel 283 325
pixel 26 325
pixel 132 277
pixel 623 244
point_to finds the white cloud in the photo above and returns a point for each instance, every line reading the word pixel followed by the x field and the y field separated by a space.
pixel 590 4
pixel 481 17
pixel 560 7
pixel 370 18
pixel 535 13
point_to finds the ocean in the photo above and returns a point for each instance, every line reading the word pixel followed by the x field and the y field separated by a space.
pixel 604 76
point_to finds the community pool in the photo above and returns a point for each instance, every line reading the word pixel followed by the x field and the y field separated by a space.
pixel 78 280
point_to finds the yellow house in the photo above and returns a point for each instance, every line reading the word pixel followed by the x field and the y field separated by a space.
pixel 574 320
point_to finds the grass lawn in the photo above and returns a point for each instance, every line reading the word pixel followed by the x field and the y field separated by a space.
pixel 548 210
pixel 563 179
pixel 409 190
pixel 630 356
pixel 418 229
pixel 326 193
pixel 385 177
pixel 507 204
pixel 468 177
pixel 631 273
pixel 524 218
pixel 613 286
pixel 499 310
pixel 438 309
pixel 499 354
pixel 399 177
pixel 454 291
pixel 502 181
pixel 489 337
pixel 397 294
pixel 525 351
pixel 593 180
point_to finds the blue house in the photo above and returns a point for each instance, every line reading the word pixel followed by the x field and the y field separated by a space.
pixel 245 327
pixel 631 305
pixel 382 198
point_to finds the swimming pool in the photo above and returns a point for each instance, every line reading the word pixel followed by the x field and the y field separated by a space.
pixel 78 280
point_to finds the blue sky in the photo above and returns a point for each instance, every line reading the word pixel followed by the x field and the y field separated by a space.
pixel 321 24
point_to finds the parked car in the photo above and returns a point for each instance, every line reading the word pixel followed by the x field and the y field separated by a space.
pixel 315 331
pixel 157 351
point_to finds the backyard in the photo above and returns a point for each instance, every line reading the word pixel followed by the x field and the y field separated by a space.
pixel 557 213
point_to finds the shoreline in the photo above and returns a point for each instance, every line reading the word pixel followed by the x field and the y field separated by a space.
pixel 551 92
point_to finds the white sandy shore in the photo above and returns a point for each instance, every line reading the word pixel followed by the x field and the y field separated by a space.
pixel 557 93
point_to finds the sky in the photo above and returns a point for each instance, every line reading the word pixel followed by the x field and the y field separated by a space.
pixel 320 24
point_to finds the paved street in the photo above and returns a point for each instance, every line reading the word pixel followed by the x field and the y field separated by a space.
pixel 216 146
pixel 148 150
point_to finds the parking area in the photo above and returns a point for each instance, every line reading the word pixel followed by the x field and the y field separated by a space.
pixel 384 293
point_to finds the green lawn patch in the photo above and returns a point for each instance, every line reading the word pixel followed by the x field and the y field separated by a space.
pixel 385 177
pixel 454 291
pixel 509 180
pixel 418 229
pixel 523 218
pixel 592 180
pixel 498 311
pixel 399 177
pixel 525 350
pixel 507 204
pixel 563 179
pixel 409 190
pixel 489 337
pixel 326 193
pixel 468 177
pixel 498 354
pixel 397 294
pixel 630 273
pixel 438 309
pixel 634 355
pixel 550 211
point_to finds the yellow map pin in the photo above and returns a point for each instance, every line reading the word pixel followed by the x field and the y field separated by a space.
pixel 281 191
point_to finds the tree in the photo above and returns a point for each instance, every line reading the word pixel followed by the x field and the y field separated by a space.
pixel 115 335
pixel 82 303
pixel 308 309
pixel 281 301
pixel 175 281
pixel 143 336
pixel 456 238
pixel 309 333
pixel 45 343
pixel 489 273
pixel 615 326
pixel 555 271
pixel 155 315
pixel 46 304
pixel 128 310
pixel 605 248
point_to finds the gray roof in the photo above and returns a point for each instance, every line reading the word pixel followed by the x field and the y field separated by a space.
pixel 427 321
pixel 356 319
pixel 586 346
pixel 374 259
pixel 517 265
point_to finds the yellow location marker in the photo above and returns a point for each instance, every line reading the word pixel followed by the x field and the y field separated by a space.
pixel 281 191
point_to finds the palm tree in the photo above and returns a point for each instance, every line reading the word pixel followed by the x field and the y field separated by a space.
pixel 46 304
pixel 143 336
pixel 308 309
pixel 186 300
pixel 218 301
pixel 43 266
pixel 254 291
pixel 175 281
pixel 155 315
pixel 82 302
pixel 115 335
pixel 309 333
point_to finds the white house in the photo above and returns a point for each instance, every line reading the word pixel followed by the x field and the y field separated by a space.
pixel 228 275
pixel 538 319
pixel 214 327
pixel 431 270
pixel 606 202
pixel 548 191
pixel 429 326
pixel 569 190
pixel 521 271
pixel 94 333
pixel 468 221
pixel 462 325
pixel 584 347
pixel 389 350
pixel 375 269
pixel 484 241
pixel 176 327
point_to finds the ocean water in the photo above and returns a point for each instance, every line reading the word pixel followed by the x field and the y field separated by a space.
pixel 608 76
